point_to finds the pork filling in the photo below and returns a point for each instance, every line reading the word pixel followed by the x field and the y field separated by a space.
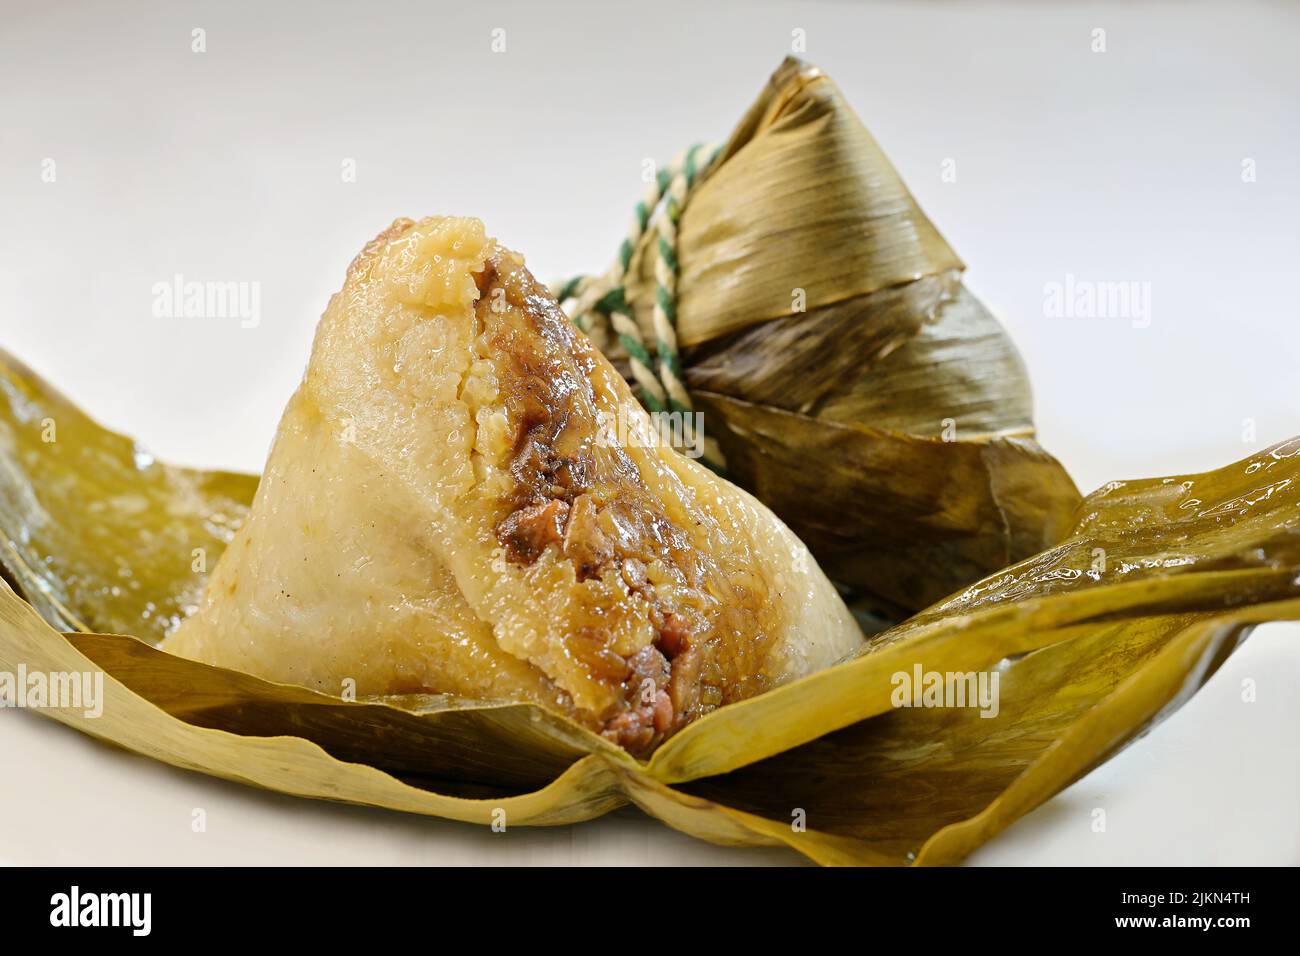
pixel 600 516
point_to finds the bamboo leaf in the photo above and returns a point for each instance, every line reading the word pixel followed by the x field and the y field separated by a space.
pixel 1093 640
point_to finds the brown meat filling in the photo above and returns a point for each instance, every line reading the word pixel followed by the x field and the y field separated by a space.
pixel 602 517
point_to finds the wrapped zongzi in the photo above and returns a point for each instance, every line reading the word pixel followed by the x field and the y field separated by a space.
pixel 857 388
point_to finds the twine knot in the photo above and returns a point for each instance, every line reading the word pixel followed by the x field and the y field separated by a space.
pixel 601 304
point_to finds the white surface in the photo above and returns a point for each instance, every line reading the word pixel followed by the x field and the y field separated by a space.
pixel 1123 165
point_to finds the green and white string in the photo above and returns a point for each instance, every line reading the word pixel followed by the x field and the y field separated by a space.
pixel 601 301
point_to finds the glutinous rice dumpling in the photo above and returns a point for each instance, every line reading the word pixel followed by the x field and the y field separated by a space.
pixel 445 510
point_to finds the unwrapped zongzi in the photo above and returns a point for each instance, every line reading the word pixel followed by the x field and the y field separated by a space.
pixel 464 498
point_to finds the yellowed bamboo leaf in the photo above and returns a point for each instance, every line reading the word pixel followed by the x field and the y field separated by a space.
pixel 146 534
pixel 1092 640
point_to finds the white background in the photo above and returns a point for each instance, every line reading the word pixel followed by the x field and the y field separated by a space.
pixel 226 165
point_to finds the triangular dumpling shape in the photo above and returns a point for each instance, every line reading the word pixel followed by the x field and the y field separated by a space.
pixel 463 497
